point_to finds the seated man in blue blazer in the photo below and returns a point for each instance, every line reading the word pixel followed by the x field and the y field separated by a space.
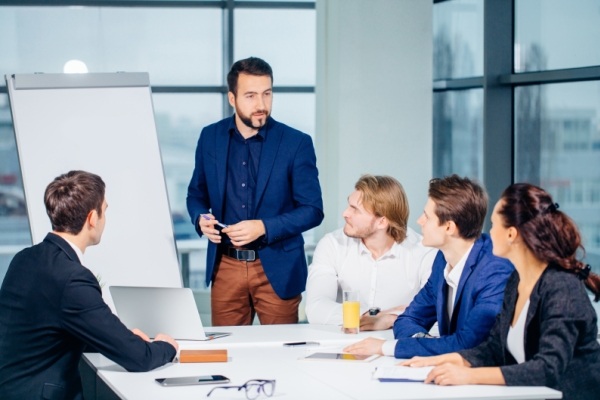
pixel 466 287
pixel 51 305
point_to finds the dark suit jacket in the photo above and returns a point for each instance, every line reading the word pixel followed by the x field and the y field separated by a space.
pixel 561 347
pixel 50 308
pixel 478 300
pixel 288 198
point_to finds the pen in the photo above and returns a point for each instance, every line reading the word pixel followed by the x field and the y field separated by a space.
pixel 292 344
pixel 218 223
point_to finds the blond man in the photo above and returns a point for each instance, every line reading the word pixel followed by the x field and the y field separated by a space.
pixel 375 254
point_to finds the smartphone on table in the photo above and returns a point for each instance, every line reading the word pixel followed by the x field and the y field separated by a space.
pixel 192 380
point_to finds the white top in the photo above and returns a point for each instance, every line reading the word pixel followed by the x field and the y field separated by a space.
pixel 341 263
pixel 452 278
pixel 515 342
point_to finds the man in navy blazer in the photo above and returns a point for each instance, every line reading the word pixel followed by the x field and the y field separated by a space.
pixel 51 305
pixel 465 290
pixel 259 178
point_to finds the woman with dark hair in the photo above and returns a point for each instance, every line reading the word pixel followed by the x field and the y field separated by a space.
pixel 546 333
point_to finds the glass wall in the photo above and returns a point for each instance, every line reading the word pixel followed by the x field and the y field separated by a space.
pixel 458 133
pixel 556 34
pixel 458 115
pixel 458 39
pixel 176 46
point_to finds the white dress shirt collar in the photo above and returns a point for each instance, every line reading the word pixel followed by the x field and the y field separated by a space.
pixel 452 277
pixel 77 250
pixel 394 251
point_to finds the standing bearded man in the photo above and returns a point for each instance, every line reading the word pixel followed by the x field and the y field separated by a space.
pixel 259 178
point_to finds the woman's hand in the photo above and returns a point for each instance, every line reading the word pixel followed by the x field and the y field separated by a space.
pixel 451 374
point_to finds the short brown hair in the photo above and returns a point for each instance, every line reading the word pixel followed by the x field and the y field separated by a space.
pixel 251 66
pixel 385 197
pixel 460 200
pixel 70 198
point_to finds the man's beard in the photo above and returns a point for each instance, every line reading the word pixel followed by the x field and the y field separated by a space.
pixel 364 232
pixel 248 120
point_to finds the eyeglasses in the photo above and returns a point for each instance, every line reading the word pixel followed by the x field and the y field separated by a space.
pixel 253 388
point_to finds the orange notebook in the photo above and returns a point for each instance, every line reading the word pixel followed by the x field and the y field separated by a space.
pixel 202 356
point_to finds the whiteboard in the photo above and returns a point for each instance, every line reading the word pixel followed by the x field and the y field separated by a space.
pixel 104 124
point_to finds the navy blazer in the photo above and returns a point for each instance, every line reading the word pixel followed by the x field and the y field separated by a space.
pixel 560 340
pixel 51 307
pixel 478 300
pixel 288 198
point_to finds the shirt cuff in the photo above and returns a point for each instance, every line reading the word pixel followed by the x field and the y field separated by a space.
pixel 396 313
pixel 389 347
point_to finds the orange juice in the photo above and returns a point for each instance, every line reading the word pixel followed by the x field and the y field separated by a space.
pixel 351 311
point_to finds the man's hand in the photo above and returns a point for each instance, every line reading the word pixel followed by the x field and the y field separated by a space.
pixel 208 228
pixel 377 322
pixel 451 358
pixel 245 232
pixel 161 337
pixel 396 310
pixel 368 346
pixel 141 334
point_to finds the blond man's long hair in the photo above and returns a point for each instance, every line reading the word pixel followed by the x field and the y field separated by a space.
pixel 384 196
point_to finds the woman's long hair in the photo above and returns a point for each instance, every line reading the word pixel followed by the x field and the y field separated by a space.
pixel 549 233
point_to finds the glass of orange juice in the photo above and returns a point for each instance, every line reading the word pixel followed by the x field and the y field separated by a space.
pixel 351 311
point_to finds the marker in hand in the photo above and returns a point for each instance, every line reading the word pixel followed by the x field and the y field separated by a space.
pixel 218 223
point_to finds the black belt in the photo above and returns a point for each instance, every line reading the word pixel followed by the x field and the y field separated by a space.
pixel 241 254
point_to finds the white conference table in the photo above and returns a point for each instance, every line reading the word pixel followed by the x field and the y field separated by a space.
pixel 256 352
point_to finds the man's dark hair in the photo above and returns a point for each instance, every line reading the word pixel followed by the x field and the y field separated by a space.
pixel 460 200
pixel 251 66
pixel 71 197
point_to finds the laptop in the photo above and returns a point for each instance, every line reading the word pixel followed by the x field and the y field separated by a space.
pixel 154 310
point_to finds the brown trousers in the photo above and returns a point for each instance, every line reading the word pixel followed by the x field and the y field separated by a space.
pixel 240 289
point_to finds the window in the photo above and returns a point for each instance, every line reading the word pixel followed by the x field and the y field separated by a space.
pixel 556 34
pixel 176 46
pixel 458 39
pixel 458 133
pixel 458 114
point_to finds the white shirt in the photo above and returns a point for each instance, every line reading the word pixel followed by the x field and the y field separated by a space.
pixel 452 278
pixel 77 250
pixel 341 263
pixel 515 342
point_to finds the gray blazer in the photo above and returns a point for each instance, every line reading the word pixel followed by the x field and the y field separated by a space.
pixel 561 347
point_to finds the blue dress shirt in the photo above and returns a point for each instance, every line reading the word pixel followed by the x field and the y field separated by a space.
pixel 242 170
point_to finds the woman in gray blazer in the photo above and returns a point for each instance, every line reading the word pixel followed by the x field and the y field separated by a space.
pixel 546 333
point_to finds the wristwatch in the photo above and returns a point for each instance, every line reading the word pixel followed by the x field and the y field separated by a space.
pixel 420 335
pixel 374 310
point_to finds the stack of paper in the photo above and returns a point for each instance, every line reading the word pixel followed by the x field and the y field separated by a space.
pixel 401 374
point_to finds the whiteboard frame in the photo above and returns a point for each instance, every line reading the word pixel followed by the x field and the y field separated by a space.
pixel 18 82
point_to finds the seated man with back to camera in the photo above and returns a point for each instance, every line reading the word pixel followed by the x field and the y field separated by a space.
pixel 375 254
pixel 51 305
pixel 465 290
